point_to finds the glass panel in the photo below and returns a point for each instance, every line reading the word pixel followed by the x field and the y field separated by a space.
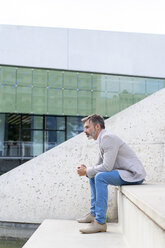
pixel 26 121
pixel 7 98
pixel 12 136
pixel 37 122
pixel 39 101
pixel 70 80
pixel 112 104
pixel 24 77
pixel 126 85
pixel 26 135
pixel 54 92
pixel 152 86
pixel 53 138
pixel 99 82
pixel 70 102
pixel 40 78
pixel 55 79
pixel 23 104
pixel 139 86
pixel 74 126
pixel 126 100
pixel 2 134
pixel 1 81
pixel 37 143
pixel 55 105
pixel 84 103
pixel 33 122
pixel 161 84
pixel 113 83
pixel 8 75
pixel 138 97
pixel 32 142
pixel 55 123
pixel 84 81
pixel 99 103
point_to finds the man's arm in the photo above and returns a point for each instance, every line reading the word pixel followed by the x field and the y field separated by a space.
pixel 110 147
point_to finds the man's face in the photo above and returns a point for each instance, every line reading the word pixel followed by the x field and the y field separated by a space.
pixel 90 130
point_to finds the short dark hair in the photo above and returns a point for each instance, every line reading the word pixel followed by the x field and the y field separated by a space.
pixel 96 119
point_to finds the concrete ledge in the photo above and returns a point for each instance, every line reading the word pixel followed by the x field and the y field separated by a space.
pixel 149 198
pixel 17 230
pixel 65 233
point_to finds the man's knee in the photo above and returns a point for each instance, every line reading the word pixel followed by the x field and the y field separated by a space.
pixel 99 177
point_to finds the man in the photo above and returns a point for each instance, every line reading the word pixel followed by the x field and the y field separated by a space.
pixel 117 165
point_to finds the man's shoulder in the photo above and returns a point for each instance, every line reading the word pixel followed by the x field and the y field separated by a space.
pixel 111 137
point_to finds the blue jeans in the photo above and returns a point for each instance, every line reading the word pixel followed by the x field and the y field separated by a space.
pixel 99 192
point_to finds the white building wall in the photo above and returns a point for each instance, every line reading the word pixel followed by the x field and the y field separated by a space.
pixel 83 50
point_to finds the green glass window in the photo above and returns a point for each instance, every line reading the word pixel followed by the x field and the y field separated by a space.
pixel 54 123
pixel 55 101
pixel 55 79
pixel 70 80
pixel 84 81
pixel 8 75
pixel 151 86
pixel 99 82
pixel 113 84
pixel 126 85
pixel 74 126
pixel 84 99
pixel 112 103
pixel 99 103
pixel 56 92
pixel 7 98
pixel 37 143
pixel 70 102
pixel 126 100
pixel 24 77
pixel 37 122
pixel 40 78
pixel 39 100
pixel 24 99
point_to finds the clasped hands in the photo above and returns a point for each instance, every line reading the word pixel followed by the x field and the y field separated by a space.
pixel 81 170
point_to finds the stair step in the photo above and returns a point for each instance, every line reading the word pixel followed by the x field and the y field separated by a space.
pixel 65 233
pixel 142 215
pixel 150 198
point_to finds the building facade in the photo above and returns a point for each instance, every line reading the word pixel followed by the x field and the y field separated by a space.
pixel 50 78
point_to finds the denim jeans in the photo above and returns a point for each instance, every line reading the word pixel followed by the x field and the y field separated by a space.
pixel 99 192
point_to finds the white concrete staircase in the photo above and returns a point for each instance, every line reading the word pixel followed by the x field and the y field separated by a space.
pixel 141 224
pixel 141 212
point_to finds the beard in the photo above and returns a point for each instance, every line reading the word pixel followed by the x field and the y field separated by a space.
pixel 91 135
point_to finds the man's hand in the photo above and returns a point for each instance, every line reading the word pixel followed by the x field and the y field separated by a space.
pixel 81 170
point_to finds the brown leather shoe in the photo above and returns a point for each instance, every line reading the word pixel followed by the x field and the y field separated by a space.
pixel 94 228
pixel 88 218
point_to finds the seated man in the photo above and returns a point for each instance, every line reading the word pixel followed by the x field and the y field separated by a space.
pixel 117 165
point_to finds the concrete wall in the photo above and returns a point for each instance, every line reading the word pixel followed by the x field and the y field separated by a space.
pixel 48 186
pixel 83 50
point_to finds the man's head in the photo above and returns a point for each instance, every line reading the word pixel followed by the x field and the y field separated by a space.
pixel 93 124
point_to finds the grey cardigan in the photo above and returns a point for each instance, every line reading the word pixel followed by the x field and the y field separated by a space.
pixel 116 155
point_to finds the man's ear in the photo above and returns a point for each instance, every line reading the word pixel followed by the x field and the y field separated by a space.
pixel 98 127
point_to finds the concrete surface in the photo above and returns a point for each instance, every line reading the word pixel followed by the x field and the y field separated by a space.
pixel 61 233
pixel 142 215
pixel 150 198
pixel 141 224
pixel 48 187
